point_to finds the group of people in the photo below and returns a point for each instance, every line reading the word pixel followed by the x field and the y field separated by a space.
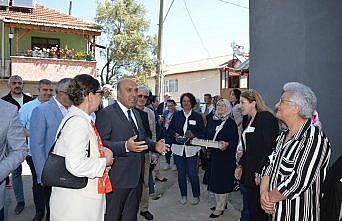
pixel 279 159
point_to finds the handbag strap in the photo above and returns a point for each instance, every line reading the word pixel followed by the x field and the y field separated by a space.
pixel 59 134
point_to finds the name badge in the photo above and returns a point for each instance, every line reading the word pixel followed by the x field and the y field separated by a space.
pixel 192 122
pixel 250 129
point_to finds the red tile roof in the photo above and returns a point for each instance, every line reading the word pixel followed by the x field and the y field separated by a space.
pixel 43 16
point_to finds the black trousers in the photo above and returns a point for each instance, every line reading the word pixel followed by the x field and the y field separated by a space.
pixel 123 204
pixel 41 195
pixel 256 213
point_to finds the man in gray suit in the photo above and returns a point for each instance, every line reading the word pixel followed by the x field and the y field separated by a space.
pixel 44 122
pixel 13 148
pixel 121 130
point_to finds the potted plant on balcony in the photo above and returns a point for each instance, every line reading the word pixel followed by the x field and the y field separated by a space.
pixel 53 52
pixel 80 55
pixel 28 53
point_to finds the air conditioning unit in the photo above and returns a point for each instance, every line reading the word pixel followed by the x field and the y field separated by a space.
pixel 24 3
pixel 4 3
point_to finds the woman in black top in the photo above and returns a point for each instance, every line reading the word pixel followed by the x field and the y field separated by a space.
pixel 258 141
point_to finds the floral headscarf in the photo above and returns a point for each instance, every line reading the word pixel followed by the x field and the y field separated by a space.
pixel 227 112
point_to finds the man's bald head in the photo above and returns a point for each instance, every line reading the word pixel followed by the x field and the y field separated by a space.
pixel 127 92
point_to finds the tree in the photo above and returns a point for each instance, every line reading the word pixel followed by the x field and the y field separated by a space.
pixel 130 51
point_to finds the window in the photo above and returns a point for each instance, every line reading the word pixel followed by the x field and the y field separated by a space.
pixel 233 81
pixel 44 42
pixel 224 79
pixel 171 85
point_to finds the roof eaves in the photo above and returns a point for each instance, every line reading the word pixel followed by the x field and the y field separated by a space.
pixel 49 25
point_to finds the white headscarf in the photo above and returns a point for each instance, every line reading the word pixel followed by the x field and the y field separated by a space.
pixel 227 111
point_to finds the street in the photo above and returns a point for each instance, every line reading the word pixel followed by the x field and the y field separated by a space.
pixel 166 208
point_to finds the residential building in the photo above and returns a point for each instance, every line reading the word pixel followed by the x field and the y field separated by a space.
pixel 38 42
pixel 216 75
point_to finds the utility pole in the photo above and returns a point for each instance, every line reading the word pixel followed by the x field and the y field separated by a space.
pixel 70 7
pixel 159 52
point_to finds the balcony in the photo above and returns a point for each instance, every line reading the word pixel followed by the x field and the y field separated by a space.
pixel 35 68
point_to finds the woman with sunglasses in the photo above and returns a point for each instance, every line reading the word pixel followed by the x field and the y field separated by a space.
pixel 85 156
pixel 258 140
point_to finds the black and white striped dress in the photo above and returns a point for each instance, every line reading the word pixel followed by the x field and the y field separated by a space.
pixel 297 168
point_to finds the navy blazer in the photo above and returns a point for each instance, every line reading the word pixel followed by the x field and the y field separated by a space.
pixel 195 125
pixel 259 145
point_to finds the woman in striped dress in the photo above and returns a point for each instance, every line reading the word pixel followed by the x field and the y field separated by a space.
pixel 290 187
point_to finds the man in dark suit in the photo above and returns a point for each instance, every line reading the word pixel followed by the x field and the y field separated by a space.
pixel 122 130
pixel 163 105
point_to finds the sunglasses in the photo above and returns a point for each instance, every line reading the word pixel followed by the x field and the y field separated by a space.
pixel 101 92
pixel 142 96
pixel 46 90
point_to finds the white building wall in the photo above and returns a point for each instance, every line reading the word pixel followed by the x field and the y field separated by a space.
pixel 197 83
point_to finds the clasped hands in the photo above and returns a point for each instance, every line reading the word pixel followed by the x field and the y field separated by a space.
pixel 266 202
pixel 139 146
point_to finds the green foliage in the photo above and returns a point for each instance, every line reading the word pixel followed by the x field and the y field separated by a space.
pixel 130 50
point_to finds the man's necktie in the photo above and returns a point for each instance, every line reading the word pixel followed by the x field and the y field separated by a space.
pixel 130 119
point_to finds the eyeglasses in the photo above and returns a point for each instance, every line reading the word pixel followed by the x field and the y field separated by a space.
pixel 101 92
pixel 281 101
pixel 142 96
pixel 46 90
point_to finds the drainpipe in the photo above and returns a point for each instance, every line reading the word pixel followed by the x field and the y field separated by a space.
pixel 3 47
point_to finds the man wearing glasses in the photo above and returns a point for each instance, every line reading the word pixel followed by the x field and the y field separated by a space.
pixel 18 98
pixel 45 91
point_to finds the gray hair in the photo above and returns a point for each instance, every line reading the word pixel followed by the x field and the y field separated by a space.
pixel 15 78
pixel 303 96
pixel 62 85
pixel 143 88
pixel 43 81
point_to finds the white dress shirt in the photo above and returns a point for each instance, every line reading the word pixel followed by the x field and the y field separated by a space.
pixel 178 149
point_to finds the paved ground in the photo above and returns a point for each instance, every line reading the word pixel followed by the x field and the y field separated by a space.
pixel 166 208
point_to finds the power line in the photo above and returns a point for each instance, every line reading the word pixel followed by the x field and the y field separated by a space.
pixel 231 3
pixel 168 10
pixel 196 30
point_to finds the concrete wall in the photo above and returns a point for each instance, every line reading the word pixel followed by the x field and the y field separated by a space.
pixel 301 41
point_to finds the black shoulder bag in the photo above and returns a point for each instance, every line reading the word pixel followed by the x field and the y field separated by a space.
pixel 55 172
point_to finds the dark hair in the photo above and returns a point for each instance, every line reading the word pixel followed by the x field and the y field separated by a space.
pixel 191 97
pixel 153 98
pixel 208 95
pixel 43 81
pixel 171 101
pixel 237 94
pixel 80 86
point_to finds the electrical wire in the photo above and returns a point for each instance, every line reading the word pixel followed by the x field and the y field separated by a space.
pixel 231 3
pixel 168 10
pixel 196 30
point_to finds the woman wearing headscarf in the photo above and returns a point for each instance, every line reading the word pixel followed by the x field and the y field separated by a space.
pixel 221 127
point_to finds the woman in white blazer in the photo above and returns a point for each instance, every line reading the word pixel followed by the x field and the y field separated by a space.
pixel 84 156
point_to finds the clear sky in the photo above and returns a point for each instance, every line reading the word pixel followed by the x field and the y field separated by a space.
pixel 218 23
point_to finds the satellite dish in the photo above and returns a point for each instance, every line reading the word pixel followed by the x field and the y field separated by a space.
pixel 233 44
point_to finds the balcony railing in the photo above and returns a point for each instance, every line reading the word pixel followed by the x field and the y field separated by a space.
pixel 35 69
